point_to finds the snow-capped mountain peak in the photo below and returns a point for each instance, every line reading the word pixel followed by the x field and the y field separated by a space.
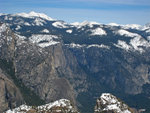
pixel 34 14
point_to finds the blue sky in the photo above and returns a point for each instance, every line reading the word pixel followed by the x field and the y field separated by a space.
pixel 102 11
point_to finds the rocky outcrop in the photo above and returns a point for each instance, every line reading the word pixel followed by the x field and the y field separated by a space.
pixel 108 103
pixel 59 106
pixel 10 95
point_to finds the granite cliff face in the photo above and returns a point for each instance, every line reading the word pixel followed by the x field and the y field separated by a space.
pixel 115 67
pixel 49 72
pixel 10 95
pixel 77 61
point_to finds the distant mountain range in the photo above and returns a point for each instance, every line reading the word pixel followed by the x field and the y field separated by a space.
pixel 44 60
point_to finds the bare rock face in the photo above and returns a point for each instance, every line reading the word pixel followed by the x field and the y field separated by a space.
pixel 48 71
pixel 116 67
pixel 7 42
pixel 10 96
pixel 108 103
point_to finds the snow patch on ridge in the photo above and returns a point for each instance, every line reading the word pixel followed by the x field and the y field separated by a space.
pixel 126 33
pixel 138 43
pixel 123 45
pixel 135 44
pixel 73 45
pixel 84 23
pixel 69 31
pixel 98 31
pixel 18 27
pixel 39 22
pixel 60 24
pixel 45 31
pixel 44 40
pixel 27 24
pixel 98 46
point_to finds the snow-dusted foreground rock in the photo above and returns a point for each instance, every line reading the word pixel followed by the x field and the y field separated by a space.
pixel 60 106
pixel 108 103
